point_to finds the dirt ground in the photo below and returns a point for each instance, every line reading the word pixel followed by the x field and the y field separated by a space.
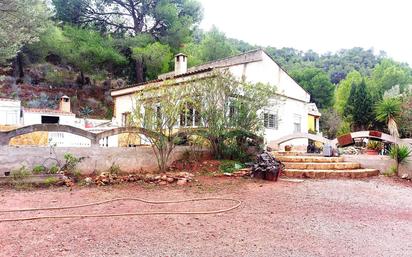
pixel 371 217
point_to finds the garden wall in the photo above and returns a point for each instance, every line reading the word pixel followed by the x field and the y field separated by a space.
pixel 96 158
pixel 382 163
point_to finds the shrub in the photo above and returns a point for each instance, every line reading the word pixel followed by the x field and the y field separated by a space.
pixel 54 169
pixel 229 166
pixel 374 145
pixel 70 167
pixel 38 169
pixel 391 171
pixel 21 173
pixel 59 77
pixel 114 169
pixel 51 181
pixel 400 153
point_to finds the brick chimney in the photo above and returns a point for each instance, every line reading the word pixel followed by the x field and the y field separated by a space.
pixel 180 64
pixel 64 105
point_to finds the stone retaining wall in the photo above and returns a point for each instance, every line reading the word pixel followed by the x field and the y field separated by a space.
pixel 96 158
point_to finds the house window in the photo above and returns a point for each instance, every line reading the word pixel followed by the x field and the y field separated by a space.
pixel 190 117
pixel 297 123
pixel 271 121
pixel 50 120
pixel 125 119
pixel 158 113
pixel 232 111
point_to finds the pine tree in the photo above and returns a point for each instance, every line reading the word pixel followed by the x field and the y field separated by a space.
pixel 359 107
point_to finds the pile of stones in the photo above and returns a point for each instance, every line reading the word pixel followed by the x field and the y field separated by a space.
pixel 266 167
pixel 179 178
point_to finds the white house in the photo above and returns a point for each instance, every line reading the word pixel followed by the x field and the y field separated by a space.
pixel 290 116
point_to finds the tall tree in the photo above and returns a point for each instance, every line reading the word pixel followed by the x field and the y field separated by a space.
pixel 343 90
pixel 215 46
pixel 168 21
pixel 159 18
pixel 388 74
pixel 70 11
pixel 359 108
pixel 155 57
pixel 317 83
pixel 22 21
pixel 211 46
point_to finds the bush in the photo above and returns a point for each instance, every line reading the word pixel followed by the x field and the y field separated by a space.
pixel 59 77
pixel 51 181
pixel 21 173
pixel 85 49
pixel 54 169
pixel 70 167
pixel 38 169
pixel 229 166
pixel 374 145
pixel 114 169
pixel 400 153
pixel 233 151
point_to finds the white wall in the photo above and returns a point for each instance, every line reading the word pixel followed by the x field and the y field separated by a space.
pixel 286 111
pixel 267 71
pixel 63 139
pixel 32 118
pixel 9 112
pixel 295 98
pixel 123 104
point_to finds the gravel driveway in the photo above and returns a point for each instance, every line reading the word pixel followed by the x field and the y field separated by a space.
pixel 370 217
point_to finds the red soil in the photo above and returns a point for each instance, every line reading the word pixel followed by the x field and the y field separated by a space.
pixel 371 217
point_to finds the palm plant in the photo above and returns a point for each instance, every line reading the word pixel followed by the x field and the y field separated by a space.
pixel 400 153
pixel 388 110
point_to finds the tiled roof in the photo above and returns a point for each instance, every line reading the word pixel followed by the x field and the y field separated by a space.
pixel 247 57
pixel 190 73
pixel 49 111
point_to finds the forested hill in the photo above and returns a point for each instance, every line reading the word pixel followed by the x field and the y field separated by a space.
pixel 88 46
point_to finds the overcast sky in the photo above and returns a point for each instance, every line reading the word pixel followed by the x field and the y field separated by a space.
pixel 320 25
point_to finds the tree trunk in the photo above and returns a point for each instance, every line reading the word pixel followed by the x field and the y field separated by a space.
pixel 20 65
pixel 82 79
pixel 139 72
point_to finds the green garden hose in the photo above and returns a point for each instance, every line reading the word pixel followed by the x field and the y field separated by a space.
pixel 97 215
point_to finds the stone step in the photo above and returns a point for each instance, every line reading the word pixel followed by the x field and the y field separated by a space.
pixel 324 174
pixel 293 153
pixel 309 159
pixel 322 166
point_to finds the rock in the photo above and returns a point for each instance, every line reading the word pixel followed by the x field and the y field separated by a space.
pixel 404 176
pixel 157 178
pixel 149 178
pixel 170 180
pixel 181 182
pixel 88 181
pixel 164 178
pixel 163 183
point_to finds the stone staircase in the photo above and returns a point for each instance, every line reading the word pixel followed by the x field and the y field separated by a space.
pixel 302 165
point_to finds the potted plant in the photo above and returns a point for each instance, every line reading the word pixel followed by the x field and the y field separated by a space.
pixel 373 147
pixel 288 148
